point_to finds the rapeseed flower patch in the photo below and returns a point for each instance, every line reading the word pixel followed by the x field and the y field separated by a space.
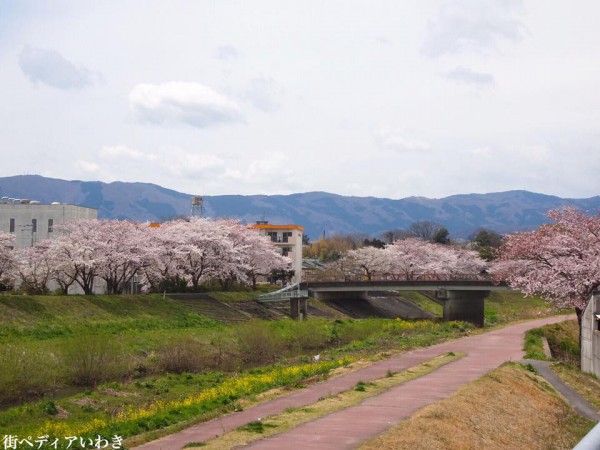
pixel 153 414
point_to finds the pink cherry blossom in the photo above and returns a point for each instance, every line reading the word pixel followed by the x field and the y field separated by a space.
pixel 559 261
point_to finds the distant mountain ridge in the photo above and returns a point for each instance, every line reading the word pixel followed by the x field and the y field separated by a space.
pixel 316 211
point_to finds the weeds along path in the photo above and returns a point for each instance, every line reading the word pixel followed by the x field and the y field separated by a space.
pixel 352 426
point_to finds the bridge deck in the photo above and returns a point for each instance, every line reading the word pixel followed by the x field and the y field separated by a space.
pixel 403 285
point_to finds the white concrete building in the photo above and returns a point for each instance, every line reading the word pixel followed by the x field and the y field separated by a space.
pixel 288 239
pixel 590 336
pixel 32 221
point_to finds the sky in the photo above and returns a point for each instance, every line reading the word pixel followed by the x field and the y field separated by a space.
pixel 365 98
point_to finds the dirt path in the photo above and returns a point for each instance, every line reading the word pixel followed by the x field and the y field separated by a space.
pixel 348 428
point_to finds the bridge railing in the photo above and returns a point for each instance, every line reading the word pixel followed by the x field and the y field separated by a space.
pixel 288 292
pixel 429 276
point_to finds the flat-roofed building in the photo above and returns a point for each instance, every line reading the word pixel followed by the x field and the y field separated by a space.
pixel 288 239
pixel 31 221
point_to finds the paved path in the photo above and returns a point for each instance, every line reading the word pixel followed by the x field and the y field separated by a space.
pixel 580 404
pixel 348 428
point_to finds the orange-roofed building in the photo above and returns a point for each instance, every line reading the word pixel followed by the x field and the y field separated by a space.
pixel 288 239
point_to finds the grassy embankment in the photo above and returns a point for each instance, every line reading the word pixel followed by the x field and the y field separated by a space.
pixel 563 340
pixel 500 307
pixel 508 408
pixel 146 353
pixel 143 363
pixel 482 414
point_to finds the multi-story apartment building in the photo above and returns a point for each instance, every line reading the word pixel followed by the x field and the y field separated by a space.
pixel 288 239
pixel 31 221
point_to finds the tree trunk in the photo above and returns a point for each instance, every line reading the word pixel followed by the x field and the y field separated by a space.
pixel 579 312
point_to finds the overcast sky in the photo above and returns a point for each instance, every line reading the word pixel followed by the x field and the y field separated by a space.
pixel 383 98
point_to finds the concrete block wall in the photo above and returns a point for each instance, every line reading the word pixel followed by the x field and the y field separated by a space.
pixel 590 337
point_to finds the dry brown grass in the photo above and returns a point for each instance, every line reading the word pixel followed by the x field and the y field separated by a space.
pixel 510 408
pixel 586 384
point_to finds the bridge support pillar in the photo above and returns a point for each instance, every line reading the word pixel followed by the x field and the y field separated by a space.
pixel 294 308
pixel 466 306
pixel 303 308
pixel 299 308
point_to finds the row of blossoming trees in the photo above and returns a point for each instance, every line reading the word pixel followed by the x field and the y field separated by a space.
pixel 560 261
pixel 189 252
pixel 408 259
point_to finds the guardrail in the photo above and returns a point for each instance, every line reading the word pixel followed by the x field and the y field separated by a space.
pixel 288 292
pixel 422 276
pixel 591 441
pixel 265 298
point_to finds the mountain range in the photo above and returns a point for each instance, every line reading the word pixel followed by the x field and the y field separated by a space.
pixel 318 212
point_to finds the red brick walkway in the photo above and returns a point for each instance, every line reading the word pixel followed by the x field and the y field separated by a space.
pixel 348 428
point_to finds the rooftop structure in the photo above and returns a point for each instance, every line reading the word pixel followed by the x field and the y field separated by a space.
pixel 31 221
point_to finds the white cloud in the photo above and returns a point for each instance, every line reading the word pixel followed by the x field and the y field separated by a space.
pixel 181 163
pixel 270 169
pixel 88 166
pixel 183 102
pixel 264 94
pixel 467 76
pixel 123 152
pixel 52 69
pixel 465 26
pixel 399 142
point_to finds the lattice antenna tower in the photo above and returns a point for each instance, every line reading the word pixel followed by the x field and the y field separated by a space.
pixel 197 207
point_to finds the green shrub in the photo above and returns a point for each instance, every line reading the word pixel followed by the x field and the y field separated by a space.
pixel 258 343
pixel 533 345
pixel 25 372
pixel 346 331
pixel 50 408
pixel 224 354
pixel 307 335
pixel 91 359
pixel 184 354
pixel 360 386
pixel 563 340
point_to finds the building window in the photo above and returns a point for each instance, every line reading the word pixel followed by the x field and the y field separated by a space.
pixel 286 251
pixel 12 225
pixel 34 225
pixel 273 235
pixel 50 225
pixel 286 235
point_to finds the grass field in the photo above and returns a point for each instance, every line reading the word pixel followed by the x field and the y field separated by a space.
pixel 97 358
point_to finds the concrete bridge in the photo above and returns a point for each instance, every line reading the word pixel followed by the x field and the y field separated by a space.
pixel 462 299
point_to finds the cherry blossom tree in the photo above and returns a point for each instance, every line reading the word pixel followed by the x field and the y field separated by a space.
pixel 413 259
pixel 198 251
pixel 119 252
pixel 34 268
pixel 76 251
pixel 410 259
pixel 559 261
pixel 7 259
pixel 163 253
pixel 367 261
pixel 63 272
